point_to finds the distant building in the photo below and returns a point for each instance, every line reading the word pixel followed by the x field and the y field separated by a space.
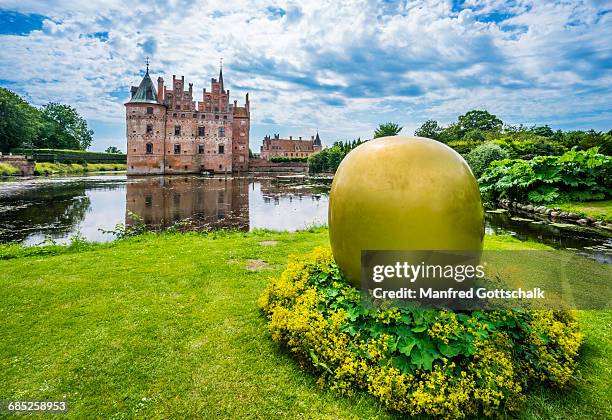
pixel 275 146
pixel 168 132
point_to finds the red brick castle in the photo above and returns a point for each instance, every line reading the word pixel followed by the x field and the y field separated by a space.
pixel 168 132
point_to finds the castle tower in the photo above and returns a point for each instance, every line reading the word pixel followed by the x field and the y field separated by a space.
pixel 145 122
pixel 170 133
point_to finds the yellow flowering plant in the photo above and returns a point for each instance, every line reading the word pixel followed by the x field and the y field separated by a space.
pixel 416 361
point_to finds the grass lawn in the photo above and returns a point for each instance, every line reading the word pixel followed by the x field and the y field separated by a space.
pixel 168 326
pixel 600 210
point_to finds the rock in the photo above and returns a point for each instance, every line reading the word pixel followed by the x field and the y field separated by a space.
pixel 554 213
pixel 582 222
pixel 528 207
pixel 563 215
pixel 572 216
pixel 540 209
pixel 598 223
pixel 548 211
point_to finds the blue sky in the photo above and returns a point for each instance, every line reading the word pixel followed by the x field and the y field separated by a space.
pixel 340 67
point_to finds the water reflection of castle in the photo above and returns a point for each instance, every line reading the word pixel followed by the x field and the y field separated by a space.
pixel 202 202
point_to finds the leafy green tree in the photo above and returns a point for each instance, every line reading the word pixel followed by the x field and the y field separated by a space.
pixel 479 120
pixel 19 121
pixel 542 130
pixel 112 149
pixel 451 133
pixel 475 136
pixel 430 129
pixel 387 129
pixel 63 128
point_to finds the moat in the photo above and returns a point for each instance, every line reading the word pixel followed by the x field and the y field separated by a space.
pixel 58 208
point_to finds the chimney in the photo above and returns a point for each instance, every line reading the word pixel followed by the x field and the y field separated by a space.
pixel 235 103
pixel 290 137
pixel 311 137
pixel 190 89
pixel 300 137
pixel 160 89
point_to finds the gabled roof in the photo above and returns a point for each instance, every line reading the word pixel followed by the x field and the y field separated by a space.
pixel 146 92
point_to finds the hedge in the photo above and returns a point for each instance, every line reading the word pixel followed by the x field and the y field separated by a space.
pixel 288 159
pixel 71 156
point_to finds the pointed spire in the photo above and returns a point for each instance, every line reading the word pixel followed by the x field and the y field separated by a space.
pixel 221 72
pixel 317 140
pixel 145 92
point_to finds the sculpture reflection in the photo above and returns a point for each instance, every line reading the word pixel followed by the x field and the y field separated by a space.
pixel 189 203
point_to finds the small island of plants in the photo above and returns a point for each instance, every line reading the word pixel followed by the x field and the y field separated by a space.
pixel 415 361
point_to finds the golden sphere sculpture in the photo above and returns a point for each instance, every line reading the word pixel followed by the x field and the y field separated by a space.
pixel 402 193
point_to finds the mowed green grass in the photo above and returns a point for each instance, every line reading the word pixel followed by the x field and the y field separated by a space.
pixel 168 325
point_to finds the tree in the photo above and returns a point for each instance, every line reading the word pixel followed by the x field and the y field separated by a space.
pixel 542 130
pixel 430 129
pixel 112 149
pixel 19 121
pixel 63 128
pixel 387 129
pixel 479 120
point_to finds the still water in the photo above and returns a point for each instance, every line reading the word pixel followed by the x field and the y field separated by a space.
pixel 39 209
pixel 57 208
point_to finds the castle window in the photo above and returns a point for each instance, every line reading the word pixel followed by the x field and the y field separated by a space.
pixel 177 149
pixel 201 131
pixel 200 149
pixel 216 116
pixel 221 131
pixel 149 110
pixel 221 149
pixel 149 128
pixel 225 117
pixel 174 115
pixel 177 130
pixel 182 115
pixel 195 115
pixel 149 148
pixel 148 200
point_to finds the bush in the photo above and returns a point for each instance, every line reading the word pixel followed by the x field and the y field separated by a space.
pixel 463 147
pixel 70 156
pixel 7 169
pixel 528 146
pixel 288 159
pixel 481 157
pixel 418 362
pixel 574 176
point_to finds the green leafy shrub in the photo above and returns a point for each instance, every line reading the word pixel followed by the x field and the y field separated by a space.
pixel 481 157
pixel 70 156
pixel 288 159
pixel 7 169
pixel 328 160
pixel 417 362
pixel 574 176
pixel 530 145
pixel 463 147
